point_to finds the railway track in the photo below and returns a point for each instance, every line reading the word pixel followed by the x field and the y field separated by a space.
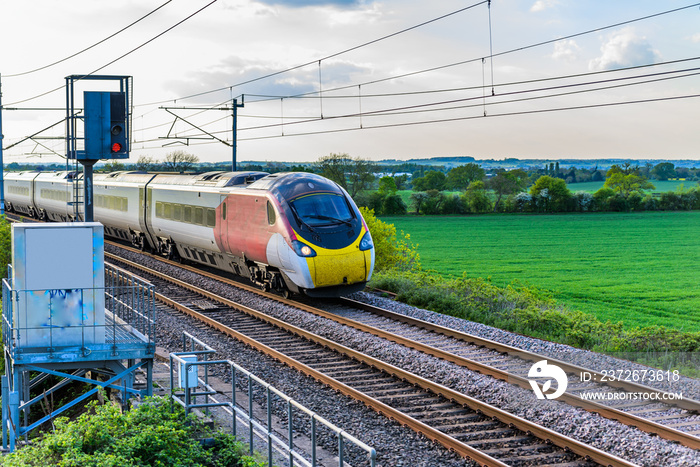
pixel 470 427
pixel 680 419
pixel 502 362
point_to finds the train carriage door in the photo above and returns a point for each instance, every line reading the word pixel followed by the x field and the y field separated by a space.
pixel 223 229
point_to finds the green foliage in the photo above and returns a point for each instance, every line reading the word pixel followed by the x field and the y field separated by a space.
pixel 460 177
pixel 530 311
pixel 387 186
pixel 552 194
pixel 627 183
pixel 146 435
pixel 355 175
pixel 432 180
pixel 507 183
pixel 391 251
pixel 5 246
pixel 476 197
pixel 664 171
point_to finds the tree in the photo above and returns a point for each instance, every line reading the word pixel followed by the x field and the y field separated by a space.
pixel 552 193
pixel 355 175
pixel 401 181
pixel 432 180
pixel 179 161
pixel 114 166
pixel 418 200
pixel 146 163
pixel 387 186
pixel 507 183
pixel 627 183
pixel 664 171
pixel 460 177
pixel 476 197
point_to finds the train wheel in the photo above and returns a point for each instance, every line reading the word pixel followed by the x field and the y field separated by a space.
pixel 286 294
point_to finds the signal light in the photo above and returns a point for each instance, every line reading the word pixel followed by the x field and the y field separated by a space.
pixel 116 147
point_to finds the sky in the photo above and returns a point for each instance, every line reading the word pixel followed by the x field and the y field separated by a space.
pixel 395 79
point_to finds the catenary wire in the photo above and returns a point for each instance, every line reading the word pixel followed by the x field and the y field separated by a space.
pixel 122 56
pixel 89 47
pixel 518 49
pixel 316 61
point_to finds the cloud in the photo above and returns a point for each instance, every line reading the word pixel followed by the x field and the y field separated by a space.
pixel 541 5
pixel 624 49
pixel 567 50
pixel 695 38
pixel 239 70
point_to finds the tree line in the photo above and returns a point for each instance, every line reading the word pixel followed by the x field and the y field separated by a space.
pixel 538 190
pixel 462 189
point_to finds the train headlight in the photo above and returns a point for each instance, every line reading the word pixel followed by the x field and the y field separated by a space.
pixel 305 251
pixel 366 242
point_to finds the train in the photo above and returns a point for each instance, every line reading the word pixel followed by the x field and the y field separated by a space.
pixel 292 233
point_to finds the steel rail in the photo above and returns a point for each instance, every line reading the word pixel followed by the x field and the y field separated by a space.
pixel 688 404
pixel 569 444
pixel 611 413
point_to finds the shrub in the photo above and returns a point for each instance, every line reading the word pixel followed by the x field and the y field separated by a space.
pixel 5 246
pixel 601 197
pixel 393 205
pixel 391 251
pixel 583 201
pixel 530 311
pixel 146 435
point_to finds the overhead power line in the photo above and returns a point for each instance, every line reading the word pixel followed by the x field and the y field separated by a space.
pixel 122 56
pixel 474 117
pixel 611 83
pixel 427 70
pixel 89 47
pixel 318 60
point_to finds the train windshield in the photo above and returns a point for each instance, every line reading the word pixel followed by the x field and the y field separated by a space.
pixel 322 209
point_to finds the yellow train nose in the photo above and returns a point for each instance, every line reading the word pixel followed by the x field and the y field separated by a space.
pixel 342 268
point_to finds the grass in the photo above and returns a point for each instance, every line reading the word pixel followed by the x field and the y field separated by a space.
pixel 638 268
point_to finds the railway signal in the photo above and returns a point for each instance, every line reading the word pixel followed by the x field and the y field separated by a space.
pixel 106 135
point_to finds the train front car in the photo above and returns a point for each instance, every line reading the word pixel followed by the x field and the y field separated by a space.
pixel 323 246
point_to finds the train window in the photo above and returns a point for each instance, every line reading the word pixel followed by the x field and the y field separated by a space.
pixel 199 216
pixel 159 209
pixel 322 209
pixel 125 204
pixel 167 210
pixel 177 212
pixel 211 218
pixel 187 214
pixel 223 211
pixel 271 216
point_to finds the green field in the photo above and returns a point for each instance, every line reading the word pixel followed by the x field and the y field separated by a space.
pixel 639 268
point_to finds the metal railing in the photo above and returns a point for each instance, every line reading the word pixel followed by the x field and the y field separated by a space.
pixel 196 354
pixel 100 322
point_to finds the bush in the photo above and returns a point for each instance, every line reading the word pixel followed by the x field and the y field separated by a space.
pixel 5 246
pixel 146 435
pixel 391 251
pixel 453 204
pixel 601 197
pixel 393 205
pixel 529 311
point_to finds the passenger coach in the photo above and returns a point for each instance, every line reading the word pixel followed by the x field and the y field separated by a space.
pixel 289 232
